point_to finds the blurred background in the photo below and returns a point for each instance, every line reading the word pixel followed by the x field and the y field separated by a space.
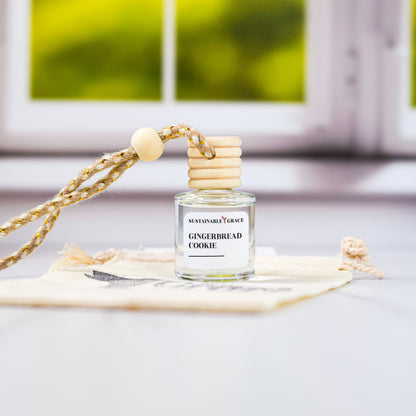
pixel 323 94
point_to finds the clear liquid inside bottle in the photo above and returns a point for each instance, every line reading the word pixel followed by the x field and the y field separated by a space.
pixel 214 238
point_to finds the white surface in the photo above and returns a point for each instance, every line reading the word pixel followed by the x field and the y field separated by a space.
pixel 350 351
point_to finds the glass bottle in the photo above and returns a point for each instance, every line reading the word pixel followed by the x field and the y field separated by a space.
pixel 214 224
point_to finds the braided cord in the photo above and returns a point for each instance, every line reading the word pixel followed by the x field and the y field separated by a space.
pixel 182 130
pixel 71 194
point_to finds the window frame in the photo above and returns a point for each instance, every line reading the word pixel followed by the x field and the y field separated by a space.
pixel 398 117
pixel 320 123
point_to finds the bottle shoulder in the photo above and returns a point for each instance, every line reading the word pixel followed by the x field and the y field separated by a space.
pixel 215 197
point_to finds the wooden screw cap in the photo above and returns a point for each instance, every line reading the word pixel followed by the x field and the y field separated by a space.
pixel 147 144
pixel 222 172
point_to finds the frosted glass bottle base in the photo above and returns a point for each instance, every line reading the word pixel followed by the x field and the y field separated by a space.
pixel 231 277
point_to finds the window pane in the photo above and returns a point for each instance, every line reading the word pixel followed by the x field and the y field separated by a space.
pixel 241 50
pixel 96 49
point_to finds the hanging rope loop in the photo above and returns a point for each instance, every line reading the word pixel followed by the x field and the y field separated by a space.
pixel 73 193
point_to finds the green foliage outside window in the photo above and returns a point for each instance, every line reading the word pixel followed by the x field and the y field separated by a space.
pixel 241 50
pixel 96 49
pixel 112 49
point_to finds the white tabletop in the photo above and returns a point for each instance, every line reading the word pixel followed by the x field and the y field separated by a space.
pixel 348 352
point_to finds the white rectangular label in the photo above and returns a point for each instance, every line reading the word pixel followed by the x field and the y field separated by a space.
pixel 216 240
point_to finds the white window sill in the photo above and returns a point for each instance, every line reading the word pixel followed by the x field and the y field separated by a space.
pixel 297 177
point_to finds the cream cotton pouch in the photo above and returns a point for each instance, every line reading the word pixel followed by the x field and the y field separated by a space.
pixel 131 279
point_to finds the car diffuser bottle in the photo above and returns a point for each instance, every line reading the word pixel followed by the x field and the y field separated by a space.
pixel 214 238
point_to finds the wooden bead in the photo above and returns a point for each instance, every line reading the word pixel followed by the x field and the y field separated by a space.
pixel 226 183
pixel 218 173
pixel 147 144
pixel 219 152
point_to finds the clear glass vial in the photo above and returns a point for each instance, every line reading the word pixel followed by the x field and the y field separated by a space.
pixel 214 238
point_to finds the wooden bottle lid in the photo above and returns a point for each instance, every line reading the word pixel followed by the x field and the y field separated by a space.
pixel 222 172
pixel 193 152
